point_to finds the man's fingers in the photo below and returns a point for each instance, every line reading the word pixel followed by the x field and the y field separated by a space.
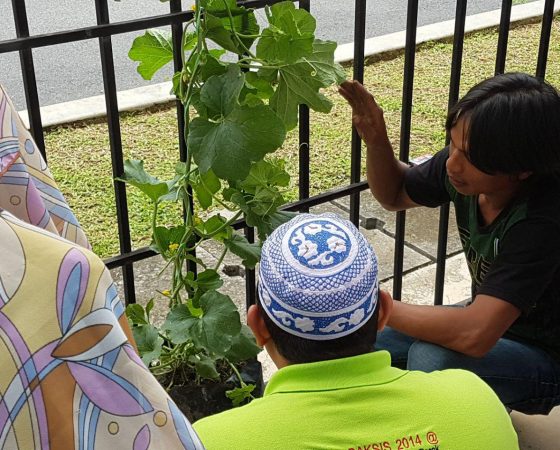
pixel 350 97
pixel 344 93
pixel 361 100
pixel 362 93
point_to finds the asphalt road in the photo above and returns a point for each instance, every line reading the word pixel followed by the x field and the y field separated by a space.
pixel 71 71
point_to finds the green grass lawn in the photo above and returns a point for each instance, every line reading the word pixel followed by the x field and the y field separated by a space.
pixel 80 159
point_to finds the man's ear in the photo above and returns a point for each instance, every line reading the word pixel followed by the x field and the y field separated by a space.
pixel 385 309
pixel 256 323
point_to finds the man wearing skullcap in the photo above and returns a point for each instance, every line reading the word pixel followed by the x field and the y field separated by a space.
pixel 318 314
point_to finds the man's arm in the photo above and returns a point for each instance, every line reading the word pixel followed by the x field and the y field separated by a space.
pixel 472 330
pixel 385 173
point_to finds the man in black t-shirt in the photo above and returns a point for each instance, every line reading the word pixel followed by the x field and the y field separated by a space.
pixel 501 171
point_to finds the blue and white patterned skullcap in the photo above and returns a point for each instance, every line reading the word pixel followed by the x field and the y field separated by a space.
pixel 318 277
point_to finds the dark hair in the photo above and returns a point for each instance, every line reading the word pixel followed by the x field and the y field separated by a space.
pixel 512 124
pixel 298 350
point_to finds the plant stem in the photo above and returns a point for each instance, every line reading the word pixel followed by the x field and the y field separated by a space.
pixel 222 256
pixel 249 36
pixel 256 67
pixel 237 38
pixel 154 226
pixel 237 374
pixel 183 40
pixel 222 227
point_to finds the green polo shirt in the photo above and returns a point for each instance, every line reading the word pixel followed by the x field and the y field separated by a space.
pixel 362 403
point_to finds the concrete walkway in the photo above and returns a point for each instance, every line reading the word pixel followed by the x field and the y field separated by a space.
pixel 535 432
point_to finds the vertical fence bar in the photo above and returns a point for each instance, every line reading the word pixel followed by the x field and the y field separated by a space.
pixel 250 277
pixel 548 15
pixel 501 51
pixel 454 85
pixel 406 116
pixel 304 138
pixel 28 74
pixel 358 74
pixel 109 83
pixel 250 274
pixel 177 38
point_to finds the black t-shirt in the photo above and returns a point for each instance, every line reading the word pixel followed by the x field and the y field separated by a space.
pixel 516 258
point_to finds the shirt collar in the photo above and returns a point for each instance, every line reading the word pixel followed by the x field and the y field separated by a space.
pixel 362 370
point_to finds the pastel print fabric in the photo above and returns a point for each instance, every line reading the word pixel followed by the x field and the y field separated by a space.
pixel 27 188
pixel 70 376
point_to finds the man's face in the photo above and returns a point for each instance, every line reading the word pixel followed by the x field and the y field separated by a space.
pixel 464 176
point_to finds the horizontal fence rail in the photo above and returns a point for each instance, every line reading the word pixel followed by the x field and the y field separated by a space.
pixel 24 43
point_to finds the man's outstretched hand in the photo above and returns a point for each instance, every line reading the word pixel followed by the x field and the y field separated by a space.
pixel 367 116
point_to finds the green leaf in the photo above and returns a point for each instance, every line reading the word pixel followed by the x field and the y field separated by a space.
pixel 213 331
pixel 176 191
pixel 278 218
pixel 148 341
pixel 228 147
pixel 284 15
pixel 149 307
pixel 205 186
pixel 181 168
pixel 153 50
pixel 135 175
pixel 209 280
pixel 136 314
pixel 261 85
pixel 238 198
pixel 266 201
pixel 217 32
pixel 259 196
pixel 322 60
pixel 205 366
pixel 163 237
pixel 290 35
pixel 215 223
pixel 259 201
pixel 265 174
pixel 250 98
pixel 211 65
pixel 245 23
pixel 218 5
pixel 240 246
pixel 243 347
pixel 178 324
pixel 219 26
pixel 300 82
pixel 194 259
pixel 297 85
pixel 220 93
pixel 200 107
pixel 190 40
pixel 178 88
pixel 267 224
pixel 240 395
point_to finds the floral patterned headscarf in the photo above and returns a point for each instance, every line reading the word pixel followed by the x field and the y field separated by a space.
pixel 27 188
pixel 70 376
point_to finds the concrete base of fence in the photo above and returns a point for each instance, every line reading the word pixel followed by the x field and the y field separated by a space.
pixel 143 97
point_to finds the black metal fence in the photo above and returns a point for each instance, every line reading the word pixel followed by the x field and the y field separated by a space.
pixel 24 43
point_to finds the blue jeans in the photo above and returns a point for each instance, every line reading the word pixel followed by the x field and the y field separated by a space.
pixel 525 378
